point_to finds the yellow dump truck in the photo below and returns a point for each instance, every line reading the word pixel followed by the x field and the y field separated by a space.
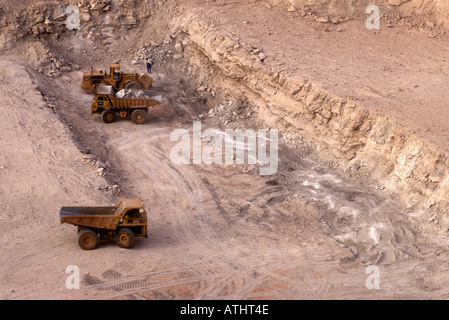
pixel 123 222
pixel 117 79
pixel 108 105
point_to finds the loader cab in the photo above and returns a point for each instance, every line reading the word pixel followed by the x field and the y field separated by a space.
pixel 115 73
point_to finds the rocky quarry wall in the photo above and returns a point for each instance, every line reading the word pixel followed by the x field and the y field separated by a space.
pixel 359 140
pixel 436 11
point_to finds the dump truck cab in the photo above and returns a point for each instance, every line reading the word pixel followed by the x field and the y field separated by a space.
pixel 108 105
pixel 102 100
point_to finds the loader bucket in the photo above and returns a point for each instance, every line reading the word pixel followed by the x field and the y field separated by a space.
pixel 145 81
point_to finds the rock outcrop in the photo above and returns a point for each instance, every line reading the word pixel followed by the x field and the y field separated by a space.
pixel 357 139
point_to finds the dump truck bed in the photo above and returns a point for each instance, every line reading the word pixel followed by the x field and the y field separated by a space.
pixel 125 103
pixel 93 217
pixel 98 217
pixel 72 211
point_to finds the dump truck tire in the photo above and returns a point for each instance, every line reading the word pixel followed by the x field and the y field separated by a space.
pixel 125 238
pixel 87 239
pixel 139 116
pixel 132 85
pixel 108 116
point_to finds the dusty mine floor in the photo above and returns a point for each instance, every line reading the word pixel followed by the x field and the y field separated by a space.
pixel 216 231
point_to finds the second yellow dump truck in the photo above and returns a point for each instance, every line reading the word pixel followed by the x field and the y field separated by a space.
pixel 123 223
pixel 108 105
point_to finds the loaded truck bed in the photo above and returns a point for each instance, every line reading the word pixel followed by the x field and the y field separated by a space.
pixel 108 105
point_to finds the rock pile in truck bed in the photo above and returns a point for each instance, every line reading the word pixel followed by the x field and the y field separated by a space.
pixel 132 93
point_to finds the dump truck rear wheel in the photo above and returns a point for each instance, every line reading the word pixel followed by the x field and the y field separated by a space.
pixel 132 85
pixel 88 240
pixel 125 238
pixel 108 116
pixel 139 116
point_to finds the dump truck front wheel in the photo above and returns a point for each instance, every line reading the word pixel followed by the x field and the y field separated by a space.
pixel 139 116
pixel 108 116
pixel 87 239
pixel 125 238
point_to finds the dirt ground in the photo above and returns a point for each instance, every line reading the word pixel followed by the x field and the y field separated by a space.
pixel 217 231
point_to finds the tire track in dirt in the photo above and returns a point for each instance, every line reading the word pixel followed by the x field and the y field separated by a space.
pixel 224 275
pixel 176 186
pixel 191 184
pixel 153 280
pixel 42 170
pixel 184 187
pixel 197 210
pixel 187 183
